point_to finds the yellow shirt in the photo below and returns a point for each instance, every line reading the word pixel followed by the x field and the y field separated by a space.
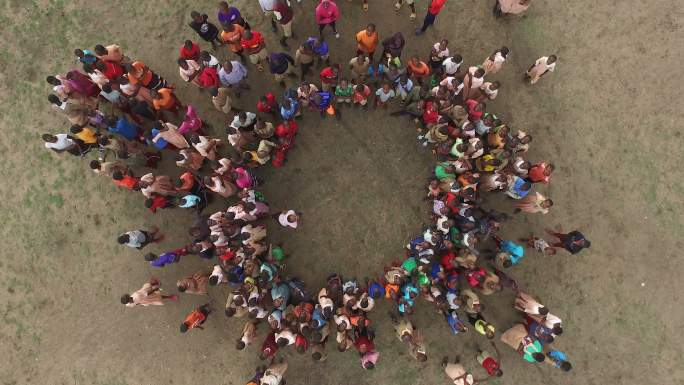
pixel 87 136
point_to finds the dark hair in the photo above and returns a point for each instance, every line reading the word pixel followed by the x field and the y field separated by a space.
pixel 317 356
pixel 182 289
pixel 123 238
pixel 100 49
pixel 148 202
pixel 369 365
pixel 543 310
pixel 75 129
pixel 240 344
pixel 94 164
pixel 230 311
pixel 539 357
pixel 187 43
pixel 557 330
pixel 194 14
pixel 126 298
pixel 213 91
pixel 53 80
pixel 52 98
pixel 282 342
pixel 565 366
pixel 183 328
pixel 213 280
pixel 149 257
pixel 498 373
pixel 507 263
pixel 117 175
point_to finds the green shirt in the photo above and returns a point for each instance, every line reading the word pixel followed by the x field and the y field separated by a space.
pixel 278 253
pixel 344 92
pixel 530 349
pixel 440 172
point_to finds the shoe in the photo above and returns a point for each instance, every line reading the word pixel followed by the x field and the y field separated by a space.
pixel 337 35
pixel 420 137
pixel 413 16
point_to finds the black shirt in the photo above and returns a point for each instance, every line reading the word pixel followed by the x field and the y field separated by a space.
pixel 205 29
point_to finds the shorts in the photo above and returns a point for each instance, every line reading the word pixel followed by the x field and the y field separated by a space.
pixel 262 55
pixel 344 99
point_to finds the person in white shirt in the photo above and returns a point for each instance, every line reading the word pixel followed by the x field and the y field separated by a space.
pixel 452 64
pixel 244 120
pixel 60 143
pixel 543 65
pixel 495 61
pixel 288 218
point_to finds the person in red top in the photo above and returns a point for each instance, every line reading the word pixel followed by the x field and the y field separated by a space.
pixel 190 50
pixel 109 69
pixel 327 14
pixel 208 78
pixel 301 343
pixel 158 202
pixel 329 77
pixel 195 319
pixel 268 104
pixel 283 13
pixel 434 9
pixel 490 364
pixel 255 46
pixel 540 172
pixel 363 344
pixel 126 181
pixel 475 109
pixel 269 347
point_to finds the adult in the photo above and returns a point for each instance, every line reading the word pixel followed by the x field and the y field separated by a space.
pixel 434 9
pixel 149 294
pixel 573 241
pixel 512 7
pixel 327 14
pixel 205 29
pixel 541 67
pixel 367 41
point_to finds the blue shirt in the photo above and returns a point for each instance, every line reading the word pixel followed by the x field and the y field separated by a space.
pixel 321 49
pixel 289 114
pixel 454 322
pixel 88 57
pixel 161 143
pixel 516 251
pixel 125 128
pixel 557 356
pixel 190 201
pixel 326 97
pixel 318 317
pixel 164 259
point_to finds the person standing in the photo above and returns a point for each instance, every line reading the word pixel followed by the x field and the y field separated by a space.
pixel 254 44
pixel 367 41
pixel 412 6
pixel 206 30
pixel 534 203
pixel 327 14
pixel 284 15
pixel 434 9
pixel 281 65
pixel 140 238
pixel 513 7
pixel 495 61
pixel 541 67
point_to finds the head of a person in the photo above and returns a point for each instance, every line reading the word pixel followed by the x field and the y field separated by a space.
pixel 325 4
pixel 507 263
pixel 335 69
pixel 150 257
pixel 223 6
pixel 181 287
pixel 557 329
pixel 228 66
pixel 495 85
pixel 195 16
pixel 53 80
pixel 548 170
pixel 282 342
pixel 79 52
pixel 154 94
pixel 242 117
pixel 317 356
pixel 547 203
pixel 421 357
pixel 359 88
pixel 126 299
pixel 182 63
pixel 565 366
pixel 539 357
pixel 183 327
pixel 498 373
pixel 230 311
pixel 547 338
pixel 552 59
pixel 49 138
pixel 543 310
pixel 240 344
pixel 480 72
pixel 369 365
pixel 370 29
pixel 100 50
pixel 52 98
pixel 443 44
pixel 118 175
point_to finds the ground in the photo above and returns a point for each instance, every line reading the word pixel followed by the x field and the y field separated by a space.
pixel 608 118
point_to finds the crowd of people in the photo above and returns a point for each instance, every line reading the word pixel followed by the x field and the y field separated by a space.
pixel 129 116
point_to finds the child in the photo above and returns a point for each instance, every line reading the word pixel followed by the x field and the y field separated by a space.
pixel 167 258
pixel 540 245
pixel 288 218
pixel 344 92
pixel 361 94
pixel 489 363
pixel 384 95
pixel 196 318
pixel 158 202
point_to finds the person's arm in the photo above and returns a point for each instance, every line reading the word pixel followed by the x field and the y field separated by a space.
pixel 498 353
pixel 289 58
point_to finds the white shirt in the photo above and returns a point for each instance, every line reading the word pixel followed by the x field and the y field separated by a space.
pixel 267 5
pixel 236 120
pixel 63 142
pixel 441 53
pixel 217 272
pixel 542 63
pixel 285 222
pixel 450 66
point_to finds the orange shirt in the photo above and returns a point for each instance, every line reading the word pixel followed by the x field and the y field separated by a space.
pixel 128 182
pixel 367 43
pixel 419 69
pixel 233 38
pixel 166 101
pixel 140 74
pixel 194 319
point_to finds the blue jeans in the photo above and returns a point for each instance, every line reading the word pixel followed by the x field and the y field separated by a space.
pixel 429 20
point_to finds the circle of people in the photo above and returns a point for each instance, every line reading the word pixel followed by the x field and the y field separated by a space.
pixel 123 109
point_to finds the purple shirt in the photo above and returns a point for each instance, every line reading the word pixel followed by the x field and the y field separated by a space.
pixel 164 259
pixel 230 17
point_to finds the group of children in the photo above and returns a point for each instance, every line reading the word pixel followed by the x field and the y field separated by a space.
pixel 123 109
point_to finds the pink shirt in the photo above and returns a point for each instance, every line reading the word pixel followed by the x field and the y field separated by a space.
pixel 191 122
pixel 370 357
pixel 327 15
pixel 244 180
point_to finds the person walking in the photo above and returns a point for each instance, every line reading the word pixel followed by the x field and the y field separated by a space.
pixel 434 9
pixel 327 14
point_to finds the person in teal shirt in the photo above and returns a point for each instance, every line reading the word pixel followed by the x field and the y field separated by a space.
pixel 444 171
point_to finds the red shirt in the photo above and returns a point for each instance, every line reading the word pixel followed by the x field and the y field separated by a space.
pixel 208 77
pixel 128 182
pixel 436 6
pixel 112 70
pixel 447 261
pixel 430 115
pixel 364 341
pixel 269 105
pixel 194 319
pixel 472 114
pixel 252 44
pixel 192 53
pixel 158 202
pixel 269 347
pixel 536 173
pixel 300 340
pixel 328 76
pixel 490 365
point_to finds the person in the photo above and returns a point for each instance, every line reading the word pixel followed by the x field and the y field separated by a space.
pixel 438 53
pixel 206 30
pixel 304 58
pixel 367 41
pixel 273 375
pixel 123 127
pixel 231 15
pixel 284 15
pixel 573 241
pixel 231 36
pixel 194 284
pixel 85 56
pixel 392 47
pixel 148 295
pixel 140 238
pixel 165 100
pixel 540 245
pixel 517 338
pixel 112 53
pixel 457 373
pixel 495 61
pixel 189 50
pixel 558 359
pixel 534 203
pixel 220 98
pixel 452 65
pixel 281 65
pixel 418 69
pixel 491 364
pixel 233 74
pixel 512 7
pixel 410 3
pixel 254 44
pixel 61 143
pixel 540 173
pixel 195 319
pixel 289 218
pixel 541 67
pixel 361 94
pixel 189 70
pixel 327 14
pixel 383 95
pixel 358 66
pixel 166 258
pixel 329 76
pixel 434 8
pixel 344 92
